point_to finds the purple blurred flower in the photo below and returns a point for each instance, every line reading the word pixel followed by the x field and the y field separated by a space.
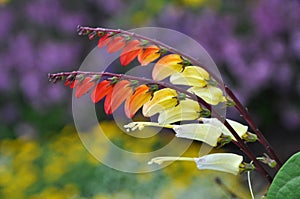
pixel 44 12
pixel 111 7
pixel 6 22
pixel 267 17
pixel 22 53
pixel 291 118
pixel 52 56
pixel 69 22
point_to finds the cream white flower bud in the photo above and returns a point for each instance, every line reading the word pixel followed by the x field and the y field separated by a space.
pixel 225 162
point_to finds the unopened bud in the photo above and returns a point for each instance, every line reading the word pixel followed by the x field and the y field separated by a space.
pixel 267 160
pixel 249 137
pixel 95 78
pixel 181 96
pixel 79 77
pixel 244 167
pixel 204 113
pixel 223 140
pixel 92 35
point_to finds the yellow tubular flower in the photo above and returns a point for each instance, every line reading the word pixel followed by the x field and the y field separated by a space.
pixel 191 76
pixel 225 162
pixel 166 66
pixel 202 132
pixel 210 94
pixel 186 110
pixel 163 99
pixel 239 128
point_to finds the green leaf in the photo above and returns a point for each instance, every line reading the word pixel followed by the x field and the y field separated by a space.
pixel 286 183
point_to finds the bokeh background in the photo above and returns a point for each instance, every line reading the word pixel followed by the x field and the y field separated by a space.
pixel 256 45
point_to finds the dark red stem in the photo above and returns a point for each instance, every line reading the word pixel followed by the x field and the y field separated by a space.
pixel 261 137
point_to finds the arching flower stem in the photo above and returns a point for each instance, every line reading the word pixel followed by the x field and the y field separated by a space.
pixel 249 120
pixel 261 138
pixel 239 143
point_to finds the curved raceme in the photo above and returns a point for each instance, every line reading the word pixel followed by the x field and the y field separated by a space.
pixel 178 68
pixel 171 104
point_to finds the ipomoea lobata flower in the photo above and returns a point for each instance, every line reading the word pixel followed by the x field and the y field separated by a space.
pixel 210 94
pixel 149 54
pixel 206 133
pixel 166 66
pixel 225 162
pixel 200 132
pixel 130 52
pixel 239 128
pixel 142 94
pixel 191 76
pixel 163 99
pixel 186 110
pixel 212 132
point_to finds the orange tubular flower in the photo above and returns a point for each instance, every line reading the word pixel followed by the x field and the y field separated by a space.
pixel 116 44
pixel 166 66
pixel 130 52
pixel 122 90
pixel 104 40
pixel 83 86
pixel 101 90
pixel 148 55
pixel 141 95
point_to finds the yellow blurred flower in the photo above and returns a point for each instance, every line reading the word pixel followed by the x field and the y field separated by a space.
pixel 67 191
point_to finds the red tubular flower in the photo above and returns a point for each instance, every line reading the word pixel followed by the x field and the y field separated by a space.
pixel 148 55
pixel 101 90
pixel 130 52
pixel 137 100
pixel 70 83
pixel 116 44
pixel 122 90
pixel 107 102
pixel 83 86
pixel 104 40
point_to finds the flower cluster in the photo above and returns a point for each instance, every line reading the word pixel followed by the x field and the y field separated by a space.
pixel 153 96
